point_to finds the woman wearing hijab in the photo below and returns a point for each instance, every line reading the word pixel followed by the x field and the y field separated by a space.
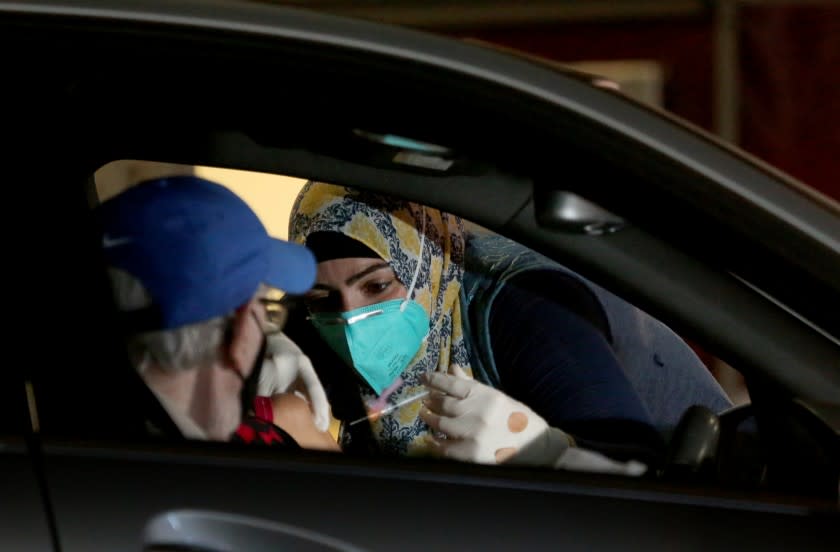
pixel 505 373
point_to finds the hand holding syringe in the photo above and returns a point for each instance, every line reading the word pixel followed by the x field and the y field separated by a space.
pixel 376 414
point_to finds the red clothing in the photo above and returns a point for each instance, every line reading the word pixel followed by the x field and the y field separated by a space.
pixel 258 428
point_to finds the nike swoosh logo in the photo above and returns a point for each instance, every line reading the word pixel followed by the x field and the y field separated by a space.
pixel 108 241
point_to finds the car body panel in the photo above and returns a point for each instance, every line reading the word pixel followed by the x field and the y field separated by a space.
pixel 388 509
pixel 25 515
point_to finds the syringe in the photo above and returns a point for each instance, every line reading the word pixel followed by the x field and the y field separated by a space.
pixel 375 415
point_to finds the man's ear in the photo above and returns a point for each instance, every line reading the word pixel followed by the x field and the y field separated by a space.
pixel 245 339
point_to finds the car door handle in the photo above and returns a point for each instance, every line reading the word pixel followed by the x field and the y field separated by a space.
pixel 209 531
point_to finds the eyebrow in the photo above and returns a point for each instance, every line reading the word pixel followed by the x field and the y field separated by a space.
pixel 358 276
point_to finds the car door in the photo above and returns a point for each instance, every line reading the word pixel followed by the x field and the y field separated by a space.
pixel 112 488
pixel 24 506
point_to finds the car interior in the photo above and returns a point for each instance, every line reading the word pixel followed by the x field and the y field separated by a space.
pixel 706 449
pixel 664 235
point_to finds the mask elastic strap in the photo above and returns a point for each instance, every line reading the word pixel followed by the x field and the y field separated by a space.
pixel 410 293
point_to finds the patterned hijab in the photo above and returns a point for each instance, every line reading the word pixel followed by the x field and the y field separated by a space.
pixel 392 229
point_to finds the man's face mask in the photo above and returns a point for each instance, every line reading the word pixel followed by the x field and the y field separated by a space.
pixel 249 383
pixel 276 314
pixel 378 340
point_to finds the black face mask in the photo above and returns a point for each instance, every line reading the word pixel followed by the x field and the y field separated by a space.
pixel 249 384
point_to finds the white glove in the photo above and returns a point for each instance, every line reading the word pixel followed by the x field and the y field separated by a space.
pixel 578 459
pixel 483 425
pixel 286 368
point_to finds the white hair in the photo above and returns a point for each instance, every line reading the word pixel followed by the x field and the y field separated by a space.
pixel 174 349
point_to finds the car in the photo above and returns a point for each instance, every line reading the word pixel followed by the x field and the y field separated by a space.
pixel 736 256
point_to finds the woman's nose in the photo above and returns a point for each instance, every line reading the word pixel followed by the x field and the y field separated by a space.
pixel 351 301
pixel 347 303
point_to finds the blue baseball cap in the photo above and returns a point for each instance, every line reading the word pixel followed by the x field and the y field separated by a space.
pixel 197 248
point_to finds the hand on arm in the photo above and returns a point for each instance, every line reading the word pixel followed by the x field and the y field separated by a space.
pixel 287 369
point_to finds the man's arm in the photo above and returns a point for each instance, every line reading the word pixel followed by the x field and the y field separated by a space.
pixel 292 413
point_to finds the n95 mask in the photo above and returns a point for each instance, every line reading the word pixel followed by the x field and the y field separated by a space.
pixel 378 340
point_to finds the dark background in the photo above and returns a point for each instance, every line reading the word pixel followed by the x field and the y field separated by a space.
pixel 787 65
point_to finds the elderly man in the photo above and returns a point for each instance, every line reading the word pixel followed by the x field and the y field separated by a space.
pixel 195 275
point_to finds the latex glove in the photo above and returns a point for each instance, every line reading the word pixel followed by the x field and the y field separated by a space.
pixel 484 425
pixel 287 369
pixel 481 424
pixel 578 459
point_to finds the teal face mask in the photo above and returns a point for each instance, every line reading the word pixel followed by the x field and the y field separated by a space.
pixel 378 340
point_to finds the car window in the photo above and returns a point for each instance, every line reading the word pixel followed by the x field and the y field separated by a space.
pixel 530 330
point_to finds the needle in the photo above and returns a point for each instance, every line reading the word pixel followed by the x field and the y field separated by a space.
pixel 388 410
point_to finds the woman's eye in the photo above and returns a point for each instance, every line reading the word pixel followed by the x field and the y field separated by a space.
pixel 377 287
